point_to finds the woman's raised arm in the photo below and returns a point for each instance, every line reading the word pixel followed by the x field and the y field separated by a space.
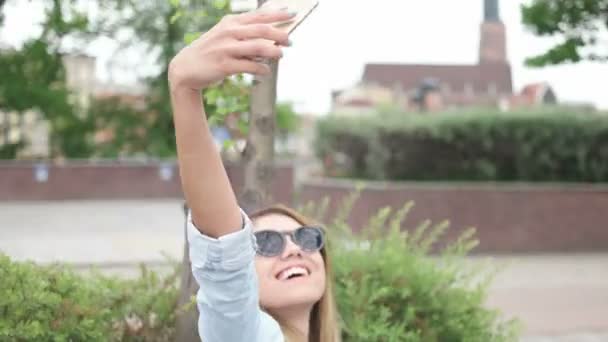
pixel 233 46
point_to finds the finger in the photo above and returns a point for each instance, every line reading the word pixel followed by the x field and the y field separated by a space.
pixel 238 66
pixel 260 31
pixel 255 48
pixel 265 16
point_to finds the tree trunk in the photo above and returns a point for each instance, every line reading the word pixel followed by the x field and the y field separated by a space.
pixel 258 156
pixel 186 324
pixel 257 161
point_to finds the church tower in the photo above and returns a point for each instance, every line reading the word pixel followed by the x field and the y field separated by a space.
pixel 493 44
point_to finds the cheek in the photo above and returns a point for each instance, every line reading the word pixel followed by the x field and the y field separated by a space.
pixel 263 267
pixel 320 264
pixel 266 284
pixel 318 259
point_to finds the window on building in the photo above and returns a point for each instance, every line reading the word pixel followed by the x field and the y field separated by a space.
pixel 492 89
pixel 445 88
pixel 469 90
pixel 30 117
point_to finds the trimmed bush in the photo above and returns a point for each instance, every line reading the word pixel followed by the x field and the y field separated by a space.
pixel 53 303
pixel 548 145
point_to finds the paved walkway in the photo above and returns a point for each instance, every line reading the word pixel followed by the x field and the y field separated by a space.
pixel 92 232
pixel 559 297
pixel 563 295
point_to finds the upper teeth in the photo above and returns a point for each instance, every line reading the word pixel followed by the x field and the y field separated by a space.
pixel 292 271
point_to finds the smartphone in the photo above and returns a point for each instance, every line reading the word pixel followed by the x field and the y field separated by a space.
pixel 303 8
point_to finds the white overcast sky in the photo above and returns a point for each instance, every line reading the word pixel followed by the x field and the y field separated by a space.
pixel 331 47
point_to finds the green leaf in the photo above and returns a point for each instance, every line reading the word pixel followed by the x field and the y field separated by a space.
pixel 220 4
pixel 229 144
pixel 176 17
pixel 243 125
pixel 215 120
pixel 192 36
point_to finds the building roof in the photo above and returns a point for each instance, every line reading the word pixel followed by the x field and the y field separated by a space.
pixel 457 77
pixel 536 93
pixel 535 90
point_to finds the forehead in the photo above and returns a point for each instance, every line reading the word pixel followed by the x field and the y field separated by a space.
pixel 276 222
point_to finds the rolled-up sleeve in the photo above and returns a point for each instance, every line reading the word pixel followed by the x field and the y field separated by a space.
pixel 228 299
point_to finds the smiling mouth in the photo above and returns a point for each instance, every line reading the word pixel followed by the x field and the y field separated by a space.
pixel 292 273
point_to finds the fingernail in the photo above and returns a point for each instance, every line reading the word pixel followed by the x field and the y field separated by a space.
pixel 292 14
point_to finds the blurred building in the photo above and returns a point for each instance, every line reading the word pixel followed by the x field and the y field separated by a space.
pixel 429 87
pixel 31 127
pixel 534 95
pixel 365 97
pixel 80 77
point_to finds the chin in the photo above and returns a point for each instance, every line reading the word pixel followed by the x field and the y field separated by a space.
pixel 297 296
pixel 295 293
pixel 287 301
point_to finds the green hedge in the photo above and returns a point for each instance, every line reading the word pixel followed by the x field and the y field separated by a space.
pixel 549 145
pixel 53 303
pixel 389 287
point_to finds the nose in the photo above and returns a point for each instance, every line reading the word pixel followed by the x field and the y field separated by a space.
pixel 291 249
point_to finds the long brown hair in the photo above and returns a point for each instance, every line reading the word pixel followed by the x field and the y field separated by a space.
pixel 324 325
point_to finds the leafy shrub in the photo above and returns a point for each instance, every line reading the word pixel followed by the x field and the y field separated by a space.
pixel 390 287
pixel 52 303
pixel 548 145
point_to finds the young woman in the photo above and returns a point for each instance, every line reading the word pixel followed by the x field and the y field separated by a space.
pixel 262 278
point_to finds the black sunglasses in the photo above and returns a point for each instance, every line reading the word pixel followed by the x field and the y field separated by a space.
pixel 270 243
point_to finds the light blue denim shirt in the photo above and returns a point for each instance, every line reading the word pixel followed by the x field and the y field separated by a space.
pixel 228 299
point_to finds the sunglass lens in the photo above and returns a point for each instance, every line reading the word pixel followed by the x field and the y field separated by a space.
pixel 309 238
pixel 269 243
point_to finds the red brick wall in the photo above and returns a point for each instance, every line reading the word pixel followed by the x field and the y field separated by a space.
pixel 509 218
pixel 493 43
pixel 114 181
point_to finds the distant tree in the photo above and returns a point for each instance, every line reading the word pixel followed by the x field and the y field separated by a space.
pixel 33 78
pixel 161 28
pixel 158 27
pixel 1 12
pixel 582 25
